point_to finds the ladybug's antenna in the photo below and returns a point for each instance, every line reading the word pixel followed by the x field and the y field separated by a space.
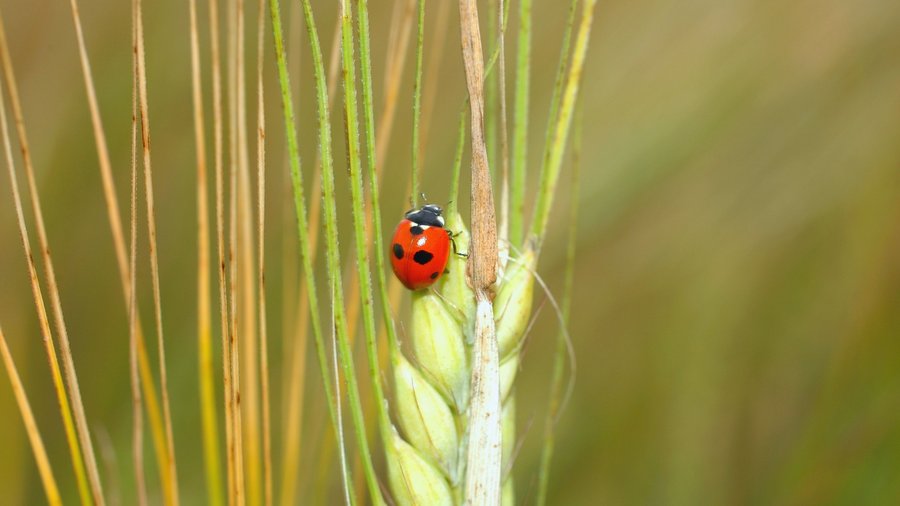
pixel 424 198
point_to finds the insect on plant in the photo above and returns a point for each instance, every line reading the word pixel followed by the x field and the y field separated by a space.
pixel 431 419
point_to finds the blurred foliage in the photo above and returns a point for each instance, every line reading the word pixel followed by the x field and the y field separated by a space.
pixel 736 300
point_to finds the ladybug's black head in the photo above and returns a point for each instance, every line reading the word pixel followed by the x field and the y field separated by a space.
pixel 429 214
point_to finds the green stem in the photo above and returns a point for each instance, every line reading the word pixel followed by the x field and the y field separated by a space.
pixel 356 190
pixel 369 123
pixel 559 357
pixel 490 88
pixel 332 252
pixel 457 163
pixel 558 130
pixel 300 202
pixel 417 103
pixel 520 126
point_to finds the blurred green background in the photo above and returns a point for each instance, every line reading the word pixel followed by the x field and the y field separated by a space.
pixel 736 307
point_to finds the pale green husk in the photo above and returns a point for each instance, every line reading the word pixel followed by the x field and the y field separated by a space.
pixel 512 306
pixel 440 348
pixel 413 480
pixel 452 286
pixel 426 419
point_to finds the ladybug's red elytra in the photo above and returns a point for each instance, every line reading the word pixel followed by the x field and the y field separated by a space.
pixel 420 248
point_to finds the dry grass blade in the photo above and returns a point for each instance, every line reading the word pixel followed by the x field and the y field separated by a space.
pixel 261 228
pixel 239 223
pixel 170 478
pixel 109 191
pixel 44 322
pixel 244 282
pixel 34 436
pixel 81 425
pixel 483 468
pixel 137 418
pixel 115 222
pixel 218 150
pixel 204 312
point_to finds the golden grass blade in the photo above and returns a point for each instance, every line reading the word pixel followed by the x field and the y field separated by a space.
pixel 68 362
pixel 170 477
pixel 237 162
pixel 244 274
pixel 261 226
pixel 204 312
pixel 218 150
pixel 34 436
pixel 137 418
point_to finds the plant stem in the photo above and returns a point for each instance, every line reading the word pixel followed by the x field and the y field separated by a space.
pixel 417 103
pixel 483 467
pixel 299 200
pixel 559 355
pixel 556 144
pixel 520 125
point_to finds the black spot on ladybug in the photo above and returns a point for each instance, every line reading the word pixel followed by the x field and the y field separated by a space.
pixel 434 275
pixel 398 251
pixel 416 230
pixel 422 257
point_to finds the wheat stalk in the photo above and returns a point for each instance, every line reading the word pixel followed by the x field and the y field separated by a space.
pixel 457 433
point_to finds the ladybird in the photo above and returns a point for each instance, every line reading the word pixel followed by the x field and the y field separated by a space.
pixel 421 247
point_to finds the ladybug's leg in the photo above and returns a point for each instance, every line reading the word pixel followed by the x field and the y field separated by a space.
pixel 455 252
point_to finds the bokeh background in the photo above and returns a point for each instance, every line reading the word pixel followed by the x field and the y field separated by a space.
pixel 736 307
